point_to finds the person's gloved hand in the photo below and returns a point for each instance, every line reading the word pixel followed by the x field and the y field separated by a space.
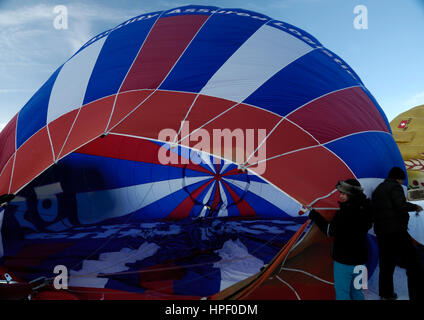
pixel 312 215
pixel 419 209
pixel 5 199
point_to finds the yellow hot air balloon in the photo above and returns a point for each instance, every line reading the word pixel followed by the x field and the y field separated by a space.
pixel 408 132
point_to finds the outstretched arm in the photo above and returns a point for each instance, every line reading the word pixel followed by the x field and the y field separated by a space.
pixel 399 200
pixel 322 224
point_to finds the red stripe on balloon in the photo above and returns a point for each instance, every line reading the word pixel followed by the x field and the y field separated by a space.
pixel 339 114
pixel 285 138
pixel 59 130
pixel 237 132
pixel 161 286
pixel 32 158
pixel 308 174
pixel 242 205
pixel 162 111
pixel 6 175
pixel 133 149
pixel 206 108
pixel 165 44
pixel 8 141
pixel 233 172
pixel 125 103
pixel 91 123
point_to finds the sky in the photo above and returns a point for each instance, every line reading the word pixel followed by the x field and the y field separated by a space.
pixel 387 55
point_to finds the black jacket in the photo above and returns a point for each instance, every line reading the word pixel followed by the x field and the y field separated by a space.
pixel 391 208
pixel 349 227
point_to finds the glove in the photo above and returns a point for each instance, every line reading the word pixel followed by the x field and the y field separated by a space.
pixel 312 215
pixel 5 199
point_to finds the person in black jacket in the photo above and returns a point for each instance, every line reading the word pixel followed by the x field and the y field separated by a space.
pixel 395 244
pixel 349 227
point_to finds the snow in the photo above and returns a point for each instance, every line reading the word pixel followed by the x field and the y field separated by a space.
pixel 399 283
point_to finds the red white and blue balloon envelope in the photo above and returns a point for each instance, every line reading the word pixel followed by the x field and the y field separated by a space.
pixel 93 195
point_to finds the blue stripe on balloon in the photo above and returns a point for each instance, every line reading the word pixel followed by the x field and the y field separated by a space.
pixel 302 81
pixel 146 16
pixel 193 173
pixel 33 116
pixel 100 173
pixel 380 148
pixel 243 177
pixel 190 10
pixel 115 59
pixel 216 41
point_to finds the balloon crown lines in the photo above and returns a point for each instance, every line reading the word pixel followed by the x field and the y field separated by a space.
pixel 245 147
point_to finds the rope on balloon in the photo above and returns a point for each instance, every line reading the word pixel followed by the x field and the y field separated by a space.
pixel 308 207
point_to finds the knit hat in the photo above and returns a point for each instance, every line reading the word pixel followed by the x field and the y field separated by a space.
pixel 396 173
pixel 350 186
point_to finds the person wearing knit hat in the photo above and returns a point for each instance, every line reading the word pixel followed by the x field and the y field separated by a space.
pixel 349 187
pixel 391 217
pixel 349 227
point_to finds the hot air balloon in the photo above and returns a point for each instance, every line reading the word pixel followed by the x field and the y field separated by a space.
pixel 169 157
pixel 406 129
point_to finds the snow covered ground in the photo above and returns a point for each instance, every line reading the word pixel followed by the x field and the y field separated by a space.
pixel 416 230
